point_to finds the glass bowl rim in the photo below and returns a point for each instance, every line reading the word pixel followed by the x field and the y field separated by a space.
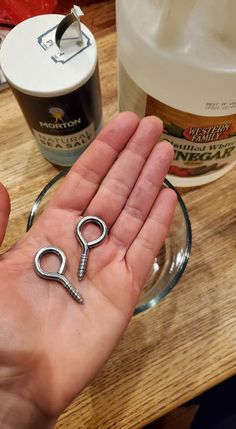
pixel 181 269
pixel 188 242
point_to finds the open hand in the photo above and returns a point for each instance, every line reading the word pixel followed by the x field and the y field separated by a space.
pixel 50 346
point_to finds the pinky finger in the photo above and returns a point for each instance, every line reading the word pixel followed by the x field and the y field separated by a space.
pixel 151 237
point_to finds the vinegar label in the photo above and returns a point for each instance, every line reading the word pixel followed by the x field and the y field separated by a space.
pixel 201 144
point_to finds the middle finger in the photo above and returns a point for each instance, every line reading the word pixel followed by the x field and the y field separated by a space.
pixel 118 184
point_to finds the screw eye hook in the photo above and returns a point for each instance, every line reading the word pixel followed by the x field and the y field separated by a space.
pixel 56 275
pixel 86 246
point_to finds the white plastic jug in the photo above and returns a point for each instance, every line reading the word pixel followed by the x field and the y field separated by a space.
pixel 177 60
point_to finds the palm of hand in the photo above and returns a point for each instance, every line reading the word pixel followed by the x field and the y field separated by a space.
pixel 50 345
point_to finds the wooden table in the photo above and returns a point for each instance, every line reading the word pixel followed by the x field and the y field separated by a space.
pixel 186 344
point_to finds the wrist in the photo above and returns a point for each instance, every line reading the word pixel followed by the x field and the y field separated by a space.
pixel 17 412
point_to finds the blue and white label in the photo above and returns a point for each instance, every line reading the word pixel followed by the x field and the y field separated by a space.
pixel 64 150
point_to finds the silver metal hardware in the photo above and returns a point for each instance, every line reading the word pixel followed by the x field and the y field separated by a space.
pixel 57 275
pixel 88 245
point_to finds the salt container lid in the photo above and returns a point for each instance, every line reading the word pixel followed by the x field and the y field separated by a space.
pixel 33 63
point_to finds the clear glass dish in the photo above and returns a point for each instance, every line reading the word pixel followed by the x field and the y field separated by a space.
pixel 172 259
pixel 169 264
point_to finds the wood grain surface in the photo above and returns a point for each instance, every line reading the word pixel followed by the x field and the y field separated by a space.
pixel 187 343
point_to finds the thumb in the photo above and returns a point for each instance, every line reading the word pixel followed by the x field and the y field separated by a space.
pixel 4 211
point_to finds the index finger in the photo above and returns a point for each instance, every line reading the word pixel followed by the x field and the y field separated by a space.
pixel 84 178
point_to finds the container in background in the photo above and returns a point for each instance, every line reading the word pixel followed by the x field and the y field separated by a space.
pixel 177 61
pixel 58 90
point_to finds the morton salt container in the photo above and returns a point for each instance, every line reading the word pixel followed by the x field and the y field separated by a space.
pixel 57 88
pixel 177 61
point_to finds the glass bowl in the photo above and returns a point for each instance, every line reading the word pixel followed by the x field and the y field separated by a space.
pixel 172 259
pixel 169 264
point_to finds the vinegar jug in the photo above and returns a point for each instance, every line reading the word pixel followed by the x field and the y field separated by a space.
pixel 177 60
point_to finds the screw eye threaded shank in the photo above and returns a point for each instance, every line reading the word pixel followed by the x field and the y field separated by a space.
pixel 82 265
pixel 74 292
